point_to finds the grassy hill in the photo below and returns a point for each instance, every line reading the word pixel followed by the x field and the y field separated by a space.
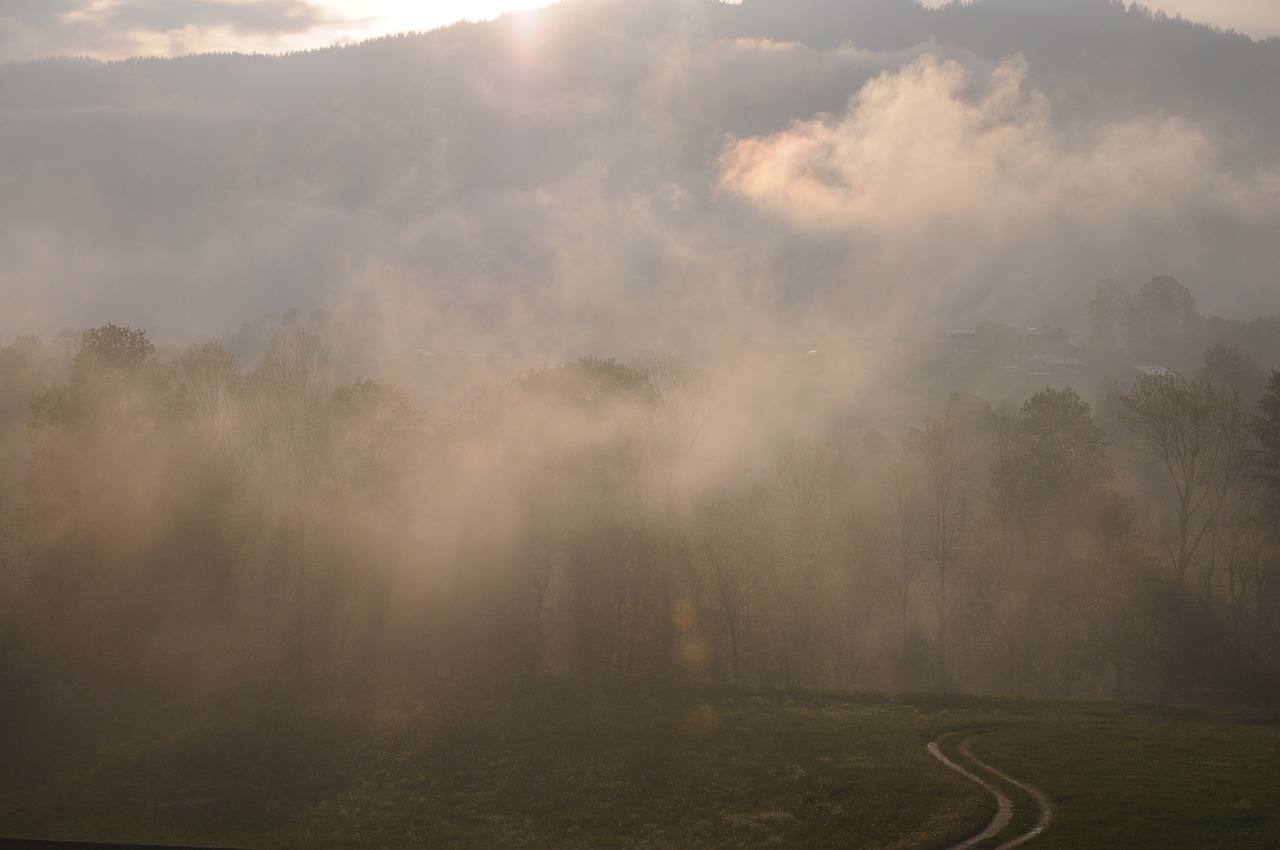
pixel 448 762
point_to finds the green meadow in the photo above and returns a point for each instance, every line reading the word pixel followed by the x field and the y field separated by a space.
pixel 451 762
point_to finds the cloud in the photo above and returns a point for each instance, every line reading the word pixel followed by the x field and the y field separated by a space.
pixel 42 12
pixel 271 17
pixel 586 200
pixel 32 30
pixel 964 191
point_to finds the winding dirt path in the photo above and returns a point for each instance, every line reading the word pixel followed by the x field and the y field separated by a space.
pixel 1004 805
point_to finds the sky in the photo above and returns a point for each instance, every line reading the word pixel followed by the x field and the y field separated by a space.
pixel 1255 18
pixel 114 29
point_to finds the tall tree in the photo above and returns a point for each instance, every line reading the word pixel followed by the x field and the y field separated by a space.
pixel 1229 368
pixel 900 536
pixel 552 461
pixel 723 543
pixel 1163 324
pixel 681 407
pixel 97 499
pixel 1267 576
pixel 212 389
pixel 289 393
pixel 1267 429
pixel 948 449
pixel 1199 434
pixel 1106 313
pixel 803 498
pixel 88 430
pixel 1069 527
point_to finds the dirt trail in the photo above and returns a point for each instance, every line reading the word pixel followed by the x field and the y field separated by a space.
pixel 1004 805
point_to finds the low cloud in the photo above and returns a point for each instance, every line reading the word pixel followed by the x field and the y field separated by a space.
pixel 33 30
pixel 606 193
pixel 959 185
pixel 269 17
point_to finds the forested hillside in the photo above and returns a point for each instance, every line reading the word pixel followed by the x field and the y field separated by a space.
pixel 610 177
pixel 813 342
pixel 180 522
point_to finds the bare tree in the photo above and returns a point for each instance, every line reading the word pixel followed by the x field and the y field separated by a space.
pixel 898 534
pixel 1200 435
pixel 803 500
pixel 724 541
pixel 211 386
pixel 290 392
pixel 682 403
pixel 947 450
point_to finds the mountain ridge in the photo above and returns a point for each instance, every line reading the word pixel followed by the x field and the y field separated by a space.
pixel 452 172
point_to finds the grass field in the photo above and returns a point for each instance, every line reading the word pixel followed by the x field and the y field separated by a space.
pixel 563 763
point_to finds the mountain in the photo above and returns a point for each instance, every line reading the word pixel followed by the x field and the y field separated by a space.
pixel 607 176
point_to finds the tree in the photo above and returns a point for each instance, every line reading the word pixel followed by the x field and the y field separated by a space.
pixel 1005 482
pixel 96 502
pixel 681 407
pixel 1267 575
pixel 1068 528
pixel 375 438
pixel 210 462
pixel 723 543
pixel 897 517
pixel 1199 434
pixel 374 448
pixel 98 424
pixel 211 389
pixel 1163 323
pixel 1106 312
pixel 803 500
pixel 1267 429
pixel 899 535
pixel 25 370
pixel 551 463
pixel 1228 368
pixel 947 448
pixel 289 393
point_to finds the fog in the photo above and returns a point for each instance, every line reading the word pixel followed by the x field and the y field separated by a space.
pixel 524 179
pixel 612 339
pixel 964 202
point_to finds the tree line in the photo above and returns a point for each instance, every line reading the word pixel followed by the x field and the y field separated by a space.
pixel 180 522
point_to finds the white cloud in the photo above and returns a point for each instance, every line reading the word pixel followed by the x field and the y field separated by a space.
pixel 120 28
pixel 960 198
pixel 115 29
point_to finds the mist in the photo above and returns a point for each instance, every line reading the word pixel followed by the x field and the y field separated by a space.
pixel 792 343
pixel 519 180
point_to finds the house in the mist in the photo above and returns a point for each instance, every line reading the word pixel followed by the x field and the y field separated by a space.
pixel 1000 347
pixel 1044 340
pixel 1048 351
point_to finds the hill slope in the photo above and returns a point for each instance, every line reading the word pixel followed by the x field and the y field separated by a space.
pixel 702 169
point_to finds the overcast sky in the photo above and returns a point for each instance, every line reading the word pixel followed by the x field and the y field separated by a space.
pixel 1256 18
pixel 112 29
pixel 633 176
